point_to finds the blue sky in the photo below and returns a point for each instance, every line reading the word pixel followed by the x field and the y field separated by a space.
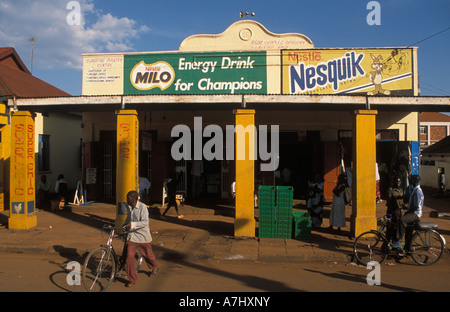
pixel 138 25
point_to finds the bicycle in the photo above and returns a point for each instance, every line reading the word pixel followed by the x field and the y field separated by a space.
pixel 425 247
pixel 102 264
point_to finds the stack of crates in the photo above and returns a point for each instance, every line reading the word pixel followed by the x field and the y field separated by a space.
pixel 302 225
pixel 266 205
pixel 284 203
pixel 275 211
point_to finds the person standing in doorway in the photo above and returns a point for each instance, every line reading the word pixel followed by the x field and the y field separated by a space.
pixel 61 190
pixel 377 181
pixel 315 200
pixel 144 190
pixel 337 214
pixel 43 191
pixel 441 181
pixel 196 172
pixel 286 176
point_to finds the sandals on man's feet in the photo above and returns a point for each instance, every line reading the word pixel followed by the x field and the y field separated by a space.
pixel 154 272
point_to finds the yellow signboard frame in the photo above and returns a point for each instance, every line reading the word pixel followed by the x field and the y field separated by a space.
pixel 376 71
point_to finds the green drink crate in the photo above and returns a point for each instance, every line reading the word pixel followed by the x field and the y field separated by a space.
pixel 266 196
pixel 266 203
pixel 266 211
pixel 302 225
pixel 284 228
pixel 267 228
pixel 267 190
pixel 267 232
pixel 284 197
pixel 275 211
pixel 283 203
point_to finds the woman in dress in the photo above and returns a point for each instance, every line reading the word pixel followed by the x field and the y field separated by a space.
pixel 337 215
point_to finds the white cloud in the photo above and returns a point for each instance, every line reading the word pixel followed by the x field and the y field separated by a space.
pixel 58 44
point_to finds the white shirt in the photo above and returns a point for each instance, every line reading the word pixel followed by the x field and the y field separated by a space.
pixel 140 229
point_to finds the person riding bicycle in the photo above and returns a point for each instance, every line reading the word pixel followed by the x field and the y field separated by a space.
pixel 139 237
pixel 395 203
pixel 414 212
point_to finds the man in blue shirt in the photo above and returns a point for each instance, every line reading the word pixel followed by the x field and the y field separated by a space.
pixel 414 212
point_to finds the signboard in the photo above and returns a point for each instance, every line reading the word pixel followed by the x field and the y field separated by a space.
pixel 103 74
pixel 91 176
pixel 146 142
pixel 386 71
pixel 196 73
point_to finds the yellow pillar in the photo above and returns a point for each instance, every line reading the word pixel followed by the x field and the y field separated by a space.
pixel 5 146
pixel 364 157
pixel 22 173
pixel 127 177
pixel 244 223
pixel 2 177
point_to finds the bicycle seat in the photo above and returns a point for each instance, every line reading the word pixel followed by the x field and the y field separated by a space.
pixel 426 225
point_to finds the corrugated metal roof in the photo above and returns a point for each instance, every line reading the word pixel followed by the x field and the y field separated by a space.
pixel 434 117
pixel 16 80
pixel 441 147
pixel 9 57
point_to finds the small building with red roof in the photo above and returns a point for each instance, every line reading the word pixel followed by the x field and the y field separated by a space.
pixel 57 135
pixel 434 127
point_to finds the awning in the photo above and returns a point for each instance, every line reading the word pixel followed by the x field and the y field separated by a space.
pixel 220 102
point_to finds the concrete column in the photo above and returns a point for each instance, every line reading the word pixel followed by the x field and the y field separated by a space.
pixel 22 173
pixel 5 145
pixel 364 186
pixel 244 223
pixel 127 176
pixel 5 132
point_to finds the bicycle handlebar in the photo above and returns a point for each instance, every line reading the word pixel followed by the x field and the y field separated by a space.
pixel 386 217
pixel 109 227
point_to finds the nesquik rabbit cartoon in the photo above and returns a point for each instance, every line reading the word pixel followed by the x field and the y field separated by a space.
pixel 375 76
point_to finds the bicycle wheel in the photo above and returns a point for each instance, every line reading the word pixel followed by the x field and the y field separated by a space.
pixel 427 247
pixel 370 246
pixel 99 270
pixel 138 260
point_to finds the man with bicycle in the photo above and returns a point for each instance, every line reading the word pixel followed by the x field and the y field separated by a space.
pixel 414 212
pixel 139 237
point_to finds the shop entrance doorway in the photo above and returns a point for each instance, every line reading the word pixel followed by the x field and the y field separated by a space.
pixel 203 179
pixel 300 158
pixel 397 159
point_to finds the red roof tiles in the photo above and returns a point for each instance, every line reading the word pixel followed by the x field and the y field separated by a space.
pixel 16 80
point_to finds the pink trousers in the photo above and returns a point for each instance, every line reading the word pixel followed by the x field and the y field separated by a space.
pixel 147 253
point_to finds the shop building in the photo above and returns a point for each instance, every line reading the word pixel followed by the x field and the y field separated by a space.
pixel 434 127
pixel 326 110
pixel 56 152
pixel 435 165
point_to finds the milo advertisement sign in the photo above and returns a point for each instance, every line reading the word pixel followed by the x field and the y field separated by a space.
pixel 196 73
